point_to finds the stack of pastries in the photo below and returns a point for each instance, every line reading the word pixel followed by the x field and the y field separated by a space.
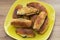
pixel 30 19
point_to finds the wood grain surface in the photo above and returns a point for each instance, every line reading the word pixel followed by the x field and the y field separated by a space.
pixel 5 6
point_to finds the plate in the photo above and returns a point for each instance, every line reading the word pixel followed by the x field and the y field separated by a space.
pixel 10 30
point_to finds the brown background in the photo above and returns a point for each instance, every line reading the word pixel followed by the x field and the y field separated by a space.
pixel 4 8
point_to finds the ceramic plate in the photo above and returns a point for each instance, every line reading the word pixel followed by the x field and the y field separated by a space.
pixel 10 30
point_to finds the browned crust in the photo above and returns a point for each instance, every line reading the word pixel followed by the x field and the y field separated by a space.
pixel 33 18
pixel 40 20
pixel 26 32
pixel 21 23
pixel 15 11
pixel 44 26
pixel 36 5
pixel 27 11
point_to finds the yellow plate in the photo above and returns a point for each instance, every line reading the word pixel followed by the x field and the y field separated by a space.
pixel 10 30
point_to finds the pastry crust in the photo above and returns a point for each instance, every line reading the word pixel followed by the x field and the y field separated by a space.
pixel 36 5
pixel 25 32
pixel 26 11
pixel 44 27
pixel 21 23
pixel 40 20
pixel 33 18
pixel 15 11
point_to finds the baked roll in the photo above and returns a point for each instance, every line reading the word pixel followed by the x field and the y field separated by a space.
pixel 25 32
pixel 27 11
pixel 36 5
pixel 21 23
pixel 40 20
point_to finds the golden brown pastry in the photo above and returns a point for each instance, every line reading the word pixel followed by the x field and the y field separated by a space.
pixel 15 11
pixel 25 32
pixel 36 5
pixel 21 23
pixel 27 11
pixel 44 26
pixel 40 20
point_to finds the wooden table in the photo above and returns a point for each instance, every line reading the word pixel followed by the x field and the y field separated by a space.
pixel 4 8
